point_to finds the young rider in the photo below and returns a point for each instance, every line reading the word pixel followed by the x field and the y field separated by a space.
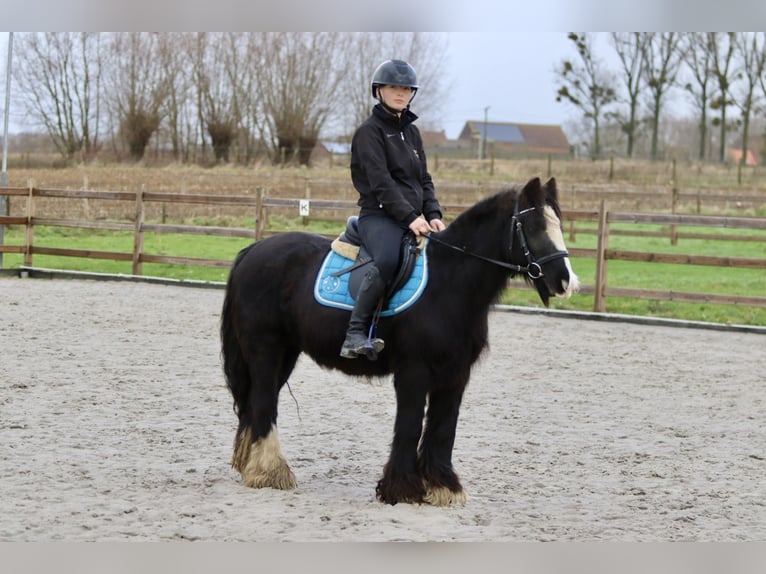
pixel 396 192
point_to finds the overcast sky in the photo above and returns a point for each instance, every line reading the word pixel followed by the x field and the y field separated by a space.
pixel 512 74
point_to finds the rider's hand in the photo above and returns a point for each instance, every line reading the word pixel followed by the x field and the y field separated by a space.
pixel 420 226
pixel 437 225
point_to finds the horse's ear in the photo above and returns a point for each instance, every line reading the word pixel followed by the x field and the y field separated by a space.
pixel 551 191
pixel 532 192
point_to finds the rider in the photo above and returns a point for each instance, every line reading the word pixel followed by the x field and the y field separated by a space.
pixel 396 192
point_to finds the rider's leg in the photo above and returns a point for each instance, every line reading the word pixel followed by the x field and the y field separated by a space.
pixel 382 238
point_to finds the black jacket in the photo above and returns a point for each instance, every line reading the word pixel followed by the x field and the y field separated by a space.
pixel 389 170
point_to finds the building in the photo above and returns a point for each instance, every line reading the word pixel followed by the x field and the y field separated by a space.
pixel 509 139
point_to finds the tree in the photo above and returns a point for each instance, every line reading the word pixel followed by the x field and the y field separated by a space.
pixel 630 48
pixel 173 54
pixel 587 85
pixel 662 60
pixel 300 81
pixel 137 88
pixel 698 59
pixel 59 75
pixel 752 58
pixel 216 69
pixel 722 46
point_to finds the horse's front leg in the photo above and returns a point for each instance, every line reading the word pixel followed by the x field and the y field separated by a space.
pixel 257 452
pixel 401 481
pixel 442 485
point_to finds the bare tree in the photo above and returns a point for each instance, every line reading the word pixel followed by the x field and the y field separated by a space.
pixel 300 81
pixel 173 55
pixel 248 109
pixel 215 72
pixel 752 58
pixel 587 85
pixel 698 55
pixel 662 60
pixel 59 74
pixel 722 46
pixel 630 48
pixel 137 88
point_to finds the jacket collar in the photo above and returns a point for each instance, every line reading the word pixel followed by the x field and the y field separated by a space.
pixel 405 119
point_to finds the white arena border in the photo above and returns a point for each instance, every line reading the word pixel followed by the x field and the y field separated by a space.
pixel 40 272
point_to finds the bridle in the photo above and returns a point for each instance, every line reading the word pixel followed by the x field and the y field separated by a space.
pixel 533 268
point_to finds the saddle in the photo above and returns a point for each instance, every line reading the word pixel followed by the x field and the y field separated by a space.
pixel 349 245
pixel 342 271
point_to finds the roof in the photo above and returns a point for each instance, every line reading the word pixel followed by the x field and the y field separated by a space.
pixel 534 137
pixel 433 138
pixel 735 155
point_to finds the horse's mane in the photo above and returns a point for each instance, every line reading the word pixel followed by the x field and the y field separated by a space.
pixel 498 207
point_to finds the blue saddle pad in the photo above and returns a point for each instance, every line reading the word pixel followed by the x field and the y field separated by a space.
pixel 333 291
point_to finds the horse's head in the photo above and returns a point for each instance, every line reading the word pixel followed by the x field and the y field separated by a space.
pixel 537 238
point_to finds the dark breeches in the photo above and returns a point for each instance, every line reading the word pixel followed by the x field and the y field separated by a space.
pixel 382 236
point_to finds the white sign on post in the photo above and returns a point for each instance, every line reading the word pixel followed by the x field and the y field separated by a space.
pixel 303 207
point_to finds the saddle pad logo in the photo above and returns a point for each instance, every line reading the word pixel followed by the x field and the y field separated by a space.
pixel 331 285
pixel 333 291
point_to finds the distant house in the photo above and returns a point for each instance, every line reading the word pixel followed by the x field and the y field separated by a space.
pixel 433 139
pixel 508 138
pixel 735 156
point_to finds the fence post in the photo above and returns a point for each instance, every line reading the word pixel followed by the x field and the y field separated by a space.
pixel 259 213
pixel 599 303
pixel 572 227
pixel 138 236
pixel 29 235
pixel 306 195
pixel 673 208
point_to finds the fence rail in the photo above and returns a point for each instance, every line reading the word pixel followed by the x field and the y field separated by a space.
pixel 261 205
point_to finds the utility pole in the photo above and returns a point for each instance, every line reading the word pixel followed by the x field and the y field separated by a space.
pixel 3 176
pixel 484 136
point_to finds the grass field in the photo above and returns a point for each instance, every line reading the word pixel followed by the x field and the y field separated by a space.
pixel 703 279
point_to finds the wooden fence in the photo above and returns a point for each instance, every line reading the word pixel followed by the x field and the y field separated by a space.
pixel 260 205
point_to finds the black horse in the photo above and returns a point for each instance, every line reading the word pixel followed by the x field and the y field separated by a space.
pixel 270 316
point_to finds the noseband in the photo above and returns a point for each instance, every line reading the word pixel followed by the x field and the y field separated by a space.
pixel 533 268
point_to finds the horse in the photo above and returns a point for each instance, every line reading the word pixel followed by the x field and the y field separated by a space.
pixel 270 316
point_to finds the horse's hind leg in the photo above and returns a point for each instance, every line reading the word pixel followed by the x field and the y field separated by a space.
pixel 257 452
pixel 442 485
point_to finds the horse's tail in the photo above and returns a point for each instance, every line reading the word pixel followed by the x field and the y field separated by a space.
pixel 234 364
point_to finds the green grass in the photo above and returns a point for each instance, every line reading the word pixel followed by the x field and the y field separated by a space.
pixel 663 276
pixel 691 278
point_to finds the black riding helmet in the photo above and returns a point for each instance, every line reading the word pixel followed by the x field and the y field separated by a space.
pixel 395 73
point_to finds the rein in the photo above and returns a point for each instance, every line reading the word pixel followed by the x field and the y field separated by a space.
pixel 534 266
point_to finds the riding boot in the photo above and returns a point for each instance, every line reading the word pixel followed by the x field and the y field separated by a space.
pixel 358 341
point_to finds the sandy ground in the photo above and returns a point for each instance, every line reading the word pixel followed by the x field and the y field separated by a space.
pixel 115 425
